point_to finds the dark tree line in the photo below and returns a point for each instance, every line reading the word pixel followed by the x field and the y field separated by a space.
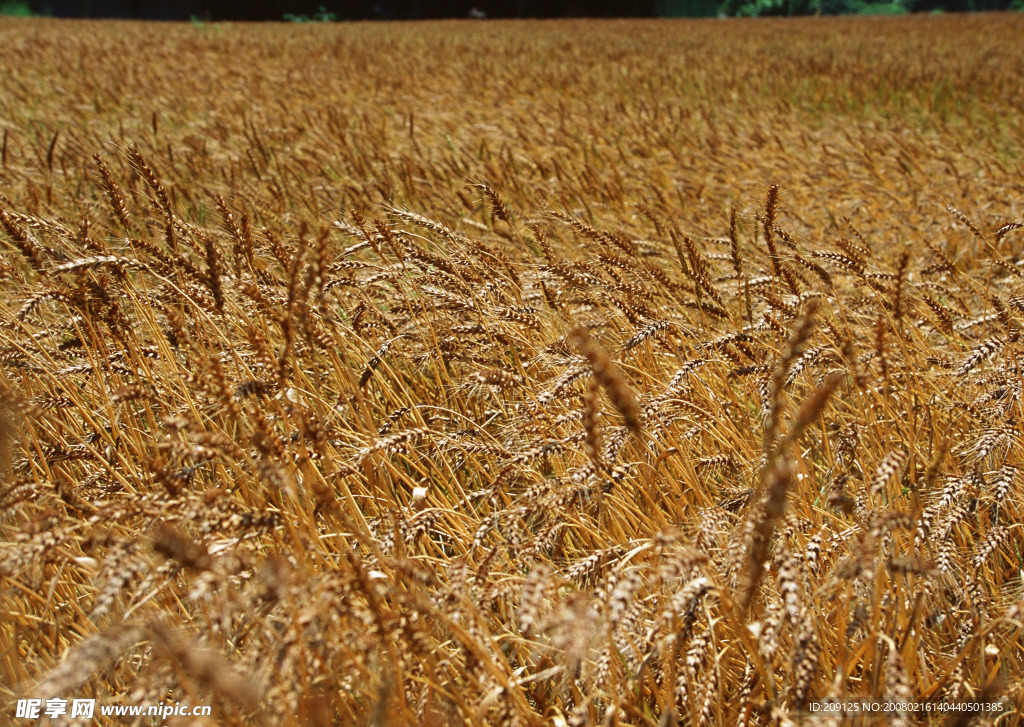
pixel 340 9
pixel 216 10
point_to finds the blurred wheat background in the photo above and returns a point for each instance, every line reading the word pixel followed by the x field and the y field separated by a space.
pixel 518 373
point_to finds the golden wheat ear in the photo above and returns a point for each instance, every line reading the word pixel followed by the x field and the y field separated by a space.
pixel 609 377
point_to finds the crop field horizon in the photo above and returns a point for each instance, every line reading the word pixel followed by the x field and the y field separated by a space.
pixel 513 373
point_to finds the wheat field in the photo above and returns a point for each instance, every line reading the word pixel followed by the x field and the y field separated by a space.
pixel 514 373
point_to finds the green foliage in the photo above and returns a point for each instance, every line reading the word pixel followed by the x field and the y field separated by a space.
pixel 960 6
pixel 203 24
pixel 895 8
pixel 16 9
pixel 321 16
pixel 765 8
